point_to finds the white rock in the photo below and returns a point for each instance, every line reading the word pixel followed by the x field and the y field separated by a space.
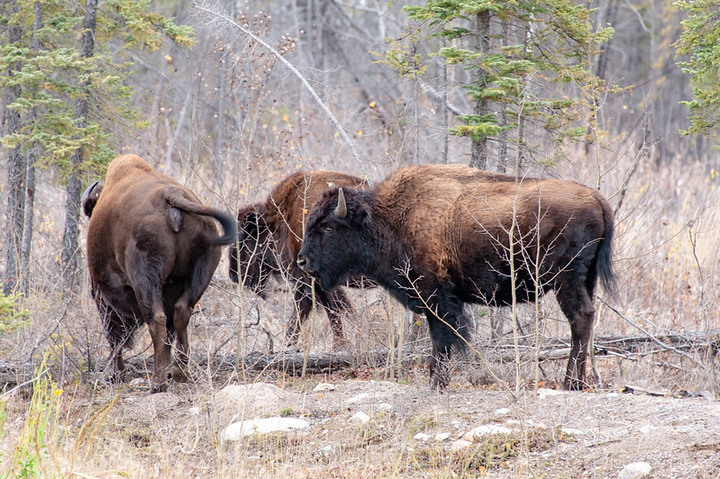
pixel 240 401
pixel 647 429
pixel 266 425
pixel 195 411
pixel 707 394
pixel 421 436
pixel 324 387
pixel 359 398
pixel 384 407
pixel 485 430
pixel 460 444
pixel 503 411
pixel 544 393
pixel 636 470
pixel 359 418
pixel 327 450
pixel 536 425
pixel 442 436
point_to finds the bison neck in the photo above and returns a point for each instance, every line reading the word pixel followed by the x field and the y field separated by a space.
pixel 387 261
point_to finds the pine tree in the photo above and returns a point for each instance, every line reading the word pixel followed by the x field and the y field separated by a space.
pixel 698 50
pixel 65 99
pixel 532 67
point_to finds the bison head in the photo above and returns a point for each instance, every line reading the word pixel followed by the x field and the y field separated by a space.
pixel 253 259
pixel 90 197
pixel 336 245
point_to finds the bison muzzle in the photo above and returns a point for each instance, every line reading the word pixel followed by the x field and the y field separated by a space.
pixel 439 236
pixel 152 248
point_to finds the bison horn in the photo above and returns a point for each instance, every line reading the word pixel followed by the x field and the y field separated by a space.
pixel 341 208
pixel 88 192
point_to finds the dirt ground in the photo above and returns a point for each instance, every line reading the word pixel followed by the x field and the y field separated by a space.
pixel 77 426
pixel 411 431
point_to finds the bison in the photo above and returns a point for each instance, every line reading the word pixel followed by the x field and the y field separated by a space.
pixel 152 248
pixel 438 236
pixel 270 236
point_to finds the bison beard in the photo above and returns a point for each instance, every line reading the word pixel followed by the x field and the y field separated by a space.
pixel 152 248
pixel 270 236
pixel 438 236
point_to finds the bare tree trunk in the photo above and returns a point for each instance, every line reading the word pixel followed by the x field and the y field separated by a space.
pixel 218 150
pixel 606 18
pixel 16 176
pixel 478 156
pixel 33 154
pixel 444 111
pixel 27 233
pixel 504 135
pixel 70 247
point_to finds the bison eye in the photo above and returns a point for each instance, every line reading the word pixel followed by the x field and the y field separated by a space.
pixel 329 228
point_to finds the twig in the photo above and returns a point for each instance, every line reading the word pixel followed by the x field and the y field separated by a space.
pixel 650 335
pixel 30 381
pixel 303 80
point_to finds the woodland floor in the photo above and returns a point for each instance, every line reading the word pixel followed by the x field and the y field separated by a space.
pixel 83 427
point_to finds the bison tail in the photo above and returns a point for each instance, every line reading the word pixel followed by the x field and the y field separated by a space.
pixel 229 226
pixel 604 254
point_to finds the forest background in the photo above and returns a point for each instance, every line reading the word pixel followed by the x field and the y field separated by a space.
pixel 231 97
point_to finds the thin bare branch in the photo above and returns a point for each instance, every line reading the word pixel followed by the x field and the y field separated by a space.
pixel 214 12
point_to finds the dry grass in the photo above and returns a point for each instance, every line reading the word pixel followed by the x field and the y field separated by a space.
pixel 70 423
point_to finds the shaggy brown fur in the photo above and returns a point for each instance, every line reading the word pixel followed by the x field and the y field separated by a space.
pixel 437 236
pixel 152 248
pixel 270 236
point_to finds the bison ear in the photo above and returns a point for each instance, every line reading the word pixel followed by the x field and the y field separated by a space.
pixel 364 213
pixel 175 219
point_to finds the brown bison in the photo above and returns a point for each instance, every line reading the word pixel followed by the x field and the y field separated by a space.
pixel 152 248
pixel 270 236
pixel 438 236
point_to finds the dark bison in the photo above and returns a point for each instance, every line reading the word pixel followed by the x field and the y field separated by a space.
pixel 270 236
pixel 437 236
pixel 152 248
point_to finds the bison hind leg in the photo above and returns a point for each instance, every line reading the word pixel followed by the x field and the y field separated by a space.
pixel 576 304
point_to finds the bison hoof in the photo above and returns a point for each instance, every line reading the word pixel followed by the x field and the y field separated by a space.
pixel 439 382
pixel 573 385
pixel 158 388
pixel 178 374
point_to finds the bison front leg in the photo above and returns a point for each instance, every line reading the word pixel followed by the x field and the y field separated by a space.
pixel 119 332
pixel 303 306
pixel 449 328
pixel 441 335
pixel 336 306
